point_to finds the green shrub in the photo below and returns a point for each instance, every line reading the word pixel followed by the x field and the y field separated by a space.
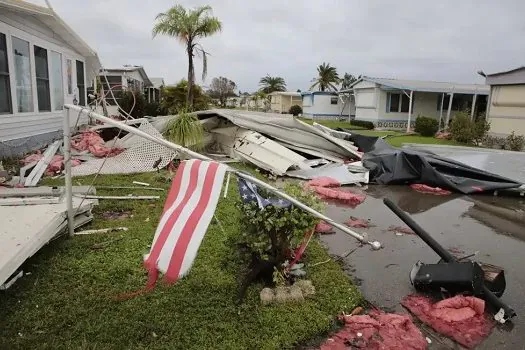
pixel 515 142
pixel 173 98
pixel 185 130
pixel 296 110
pixel 153 109
pixel 363 123
pixel 465 130
pixel 426 126
pixel 132 102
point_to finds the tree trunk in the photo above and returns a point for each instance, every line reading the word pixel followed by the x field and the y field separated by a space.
pixel 191 77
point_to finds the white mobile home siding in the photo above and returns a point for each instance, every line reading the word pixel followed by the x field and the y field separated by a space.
pixel 318 105
pixel 21 126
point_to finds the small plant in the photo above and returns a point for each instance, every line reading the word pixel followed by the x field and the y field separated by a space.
pixel 270 235
pixel 465 130
pixel 185 130
pixel 426 126
pixel 363 123
pixel 515 142
pixel 295 110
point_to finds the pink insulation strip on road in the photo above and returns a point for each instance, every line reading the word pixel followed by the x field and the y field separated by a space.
pixel 324 227
pixel 347 197
pixel 430 190
pixel 92 142
pixel 357 223
pixel 460 318
pixel 324 181
pixel 401 229
pixel 378 331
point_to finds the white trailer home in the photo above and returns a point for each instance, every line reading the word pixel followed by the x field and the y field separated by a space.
pixel 43 65
pixel 327 105
pixel 395 104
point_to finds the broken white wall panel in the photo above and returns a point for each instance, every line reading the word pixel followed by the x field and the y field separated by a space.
pixel 43 191
pixel 29 201
pixel 26 229
pixel 24 169
pixel 35 175
pixel 338 172
pixel 257 149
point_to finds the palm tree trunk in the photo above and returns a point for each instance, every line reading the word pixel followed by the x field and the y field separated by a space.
pixel 191 77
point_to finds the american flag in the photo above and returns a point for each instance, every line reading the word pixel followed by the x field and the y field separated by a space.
pixel 188 210
pixel 251 194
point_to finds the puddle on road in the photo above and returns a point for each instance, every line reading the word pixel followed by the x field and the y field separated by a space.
pixel 457 224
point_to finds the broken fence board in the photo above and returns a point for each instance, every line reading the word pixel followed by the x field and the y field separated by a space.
pixel 41 167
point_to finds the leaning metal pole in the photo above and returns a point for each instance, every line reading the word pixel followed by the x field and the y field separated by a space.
pixel 67 170
pixel 361 238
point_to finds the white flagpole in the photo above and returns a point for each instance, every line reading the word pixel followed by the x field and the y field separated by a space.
pixel 361 238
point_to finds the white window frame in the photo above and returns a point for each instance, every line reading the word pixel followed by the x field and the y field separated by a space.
pixel 389 101
pixel 33 40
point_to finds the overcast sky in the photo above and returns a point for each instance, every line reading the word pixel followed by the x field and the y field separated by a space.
pixel 407 39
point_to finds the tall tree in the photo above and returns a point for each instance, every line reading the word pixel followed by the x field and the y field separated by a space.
pixel 270 84
pixel 221 88
pixel 188 25
pixel 348 79
pixel 327 78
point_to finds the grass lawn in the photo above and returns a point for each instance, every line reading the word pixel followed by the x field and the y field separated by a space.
pixel 68 300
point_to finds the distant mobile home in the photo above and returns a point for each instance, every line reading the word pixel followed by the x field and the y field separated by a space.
pixel 327 105
pixel 44 64
pixel 386 102
pixel 507 102
pixel 281 101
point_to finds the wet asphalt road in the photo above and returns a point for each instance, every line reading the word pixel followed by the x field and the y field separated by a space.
pixel 457 223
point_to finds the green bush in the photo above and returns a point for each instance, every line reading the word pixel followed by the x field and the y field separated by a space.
pixel 364 124
pixel 296 110
pixel 465 130
pixel 132 102
pixel 185 130
pixel 426 126
pixel 515 142
pixel 153 109
pixel 173 98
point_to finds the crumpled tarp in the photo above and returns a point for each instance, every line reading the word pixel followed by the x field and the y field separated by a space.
pixel 461 318
pixel 390 165
pixel 377 330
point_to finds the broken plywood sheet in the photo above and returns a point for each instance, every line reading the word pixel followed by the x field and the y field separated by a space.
pixel 258 149
pixel 26 229
pixel 338 172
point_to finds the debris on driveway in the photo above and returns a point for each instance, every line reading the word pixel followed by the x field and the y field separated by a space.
pixel 401 229
pixel 324 227
pixel 430 190
pixel 357 223
pixel 460 318
pixel 377 330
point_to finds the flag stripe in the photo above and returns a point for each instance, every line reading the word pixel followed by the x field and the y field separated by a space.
pixel 175 187
pixel 165 257
pixel 167 221
pixel 204 222
pixel 188 232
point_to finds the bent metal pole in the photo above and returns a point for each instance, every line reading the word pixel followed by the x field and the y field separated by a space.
pixel 361 238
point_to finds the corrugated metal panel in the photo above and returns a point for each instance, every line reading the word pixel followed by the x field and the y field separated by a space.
pixel 430 86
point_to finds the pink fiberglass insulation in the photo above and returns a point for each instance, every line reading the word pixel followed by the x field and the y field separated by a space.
pixel 378 331
pixel 92 142
pixel 324 181
pixel 35 157
pixel 350 198
pixel 431 190
pixel 357 223
pixel 55 165
pixel 401 229
pixel 324 227
pixel 460 318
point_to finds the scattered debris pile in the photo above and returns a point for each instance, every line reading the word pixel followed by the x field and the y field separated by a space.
pixel 92 142
pixel 461 318
pixel 377 330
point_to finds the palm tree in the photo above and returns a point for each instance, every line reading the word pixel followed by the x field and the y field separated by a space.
pixel 188 26
pixel 348 79
pixel 327 78
pixel 270 84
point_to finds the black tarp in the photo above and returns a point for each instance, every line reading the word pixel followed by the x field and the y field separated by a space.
pixel 390 165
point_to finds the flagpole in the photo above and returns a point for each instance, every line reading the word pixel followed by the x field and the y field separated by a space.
pixel 361 238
